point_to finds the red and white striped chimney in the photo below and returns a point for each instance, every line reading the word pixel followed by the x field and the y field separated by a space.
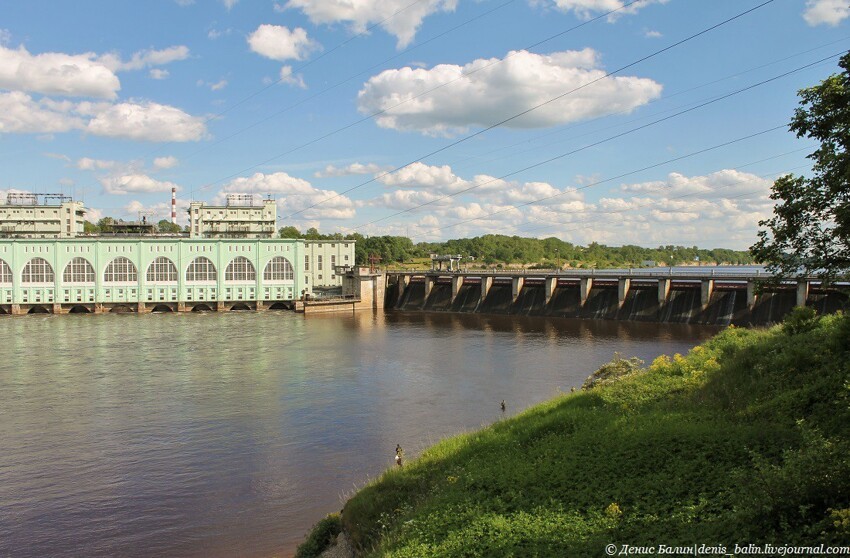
pixel 174 205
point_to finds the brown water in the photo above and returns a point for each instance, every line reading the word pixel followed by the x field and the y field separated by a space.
pixel 231 434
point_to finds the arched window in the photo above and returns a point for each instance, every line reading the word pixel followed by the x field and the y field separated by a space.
pixel 161 270
pixel 240 269
pixel 278 269
pixel 120 270
pixel 200 269
pixel 78 270
pixel 5 273
pixel 37 270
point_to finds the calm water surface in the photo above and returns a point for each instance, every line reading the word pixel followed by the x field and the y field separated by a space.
pixel 231 434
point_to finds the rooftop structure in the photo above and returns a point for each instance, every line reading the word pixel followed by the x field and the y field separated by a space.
pixel 243 217
pixel 28 215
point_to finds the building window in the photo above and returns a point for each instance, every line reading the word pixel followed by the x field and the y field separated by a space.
pixel 278 269
pixel 78 270
pixel 201 269
pixel 5 273
pixel 240 269
pixel 120 270
pixel 306 263
pixel 346 257
pixel 37 270
pixel 333 261
pixel 161 270
pixel 319 263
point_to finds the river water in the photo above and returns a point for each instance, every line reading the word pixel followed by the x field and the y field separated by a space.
pixel 231 434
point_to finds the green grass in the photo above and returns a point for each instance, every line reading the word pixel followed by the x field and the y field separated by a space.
pixel 743 440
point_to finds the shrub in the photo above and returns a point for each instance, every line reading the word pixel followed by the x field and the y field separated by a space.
pixel 322 536
pixel 617 368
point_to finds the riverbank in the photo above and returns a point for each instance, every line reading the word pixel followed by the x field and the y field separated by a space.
pixel 744 440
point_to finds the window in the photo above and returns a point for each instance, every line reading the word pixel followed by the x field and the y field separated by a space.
pixel 240 269
pixel 37 270
pixel 346 257
pixel 5 273
pixel 78 270
pixel 201 269
pixel 161 270
pixel 120 270
pixel 306 263
pixel 278 269
pixel 333 261
pixel 319 263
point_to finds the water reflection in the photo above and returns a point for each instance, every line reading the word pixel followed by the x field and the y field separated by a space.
pixel 230 434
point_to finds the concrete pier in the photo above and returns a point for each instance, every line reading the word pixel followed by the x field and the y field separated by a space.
pixel 516 287
pixel 623 290
pixel 585 284
pixel 549 287
pixel 457 283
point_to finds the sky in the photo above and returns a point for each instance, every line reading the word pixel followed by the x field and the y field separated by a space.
pixel 653 122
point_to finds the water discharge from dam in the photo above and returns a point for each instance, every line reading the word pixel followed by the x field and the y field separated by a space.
pixel 231 434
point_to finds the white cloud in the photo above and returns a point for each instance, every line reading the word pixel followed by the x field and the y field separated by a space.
pixel 228 4
pixel 165 162
pixel 484 92
pixel 280 43
pixel 20 113
pixel 287 77
pixel 219 85
pixel 399 18
pixel 123 184
pixel 87 163
pixel 652 34
pixel 352 169
pixel 420 175
pixel 720 184
pixel 75 75
pixel 145 58
pixel 184 3
pixel 829 12
pixel 294 194
pixel 214 33
pixel 586 9
pixel 158 211
pixel 146 121
pixel 157 73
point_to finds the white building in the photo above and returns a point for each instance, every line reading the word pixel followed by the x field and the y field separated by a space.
pixel 27 215
pixel 242 217
pixel 322 258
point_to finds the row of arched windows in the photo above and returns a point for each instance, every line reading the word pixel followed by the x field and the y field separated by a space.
pixel 161 270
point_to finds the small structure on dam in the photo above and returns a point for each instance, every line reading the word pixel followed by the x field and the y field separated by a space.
pixel 713 296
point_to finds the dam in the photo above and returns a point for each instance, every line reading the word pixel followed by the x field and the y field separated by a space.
pixel 709 296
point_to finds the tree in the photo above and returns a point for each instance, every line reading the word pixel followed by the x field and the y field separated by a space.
pixel 289 232
pixel 166 226
pixel 810 228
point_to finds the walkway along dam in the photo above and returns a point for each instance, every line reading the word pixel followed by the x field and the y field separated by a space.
pixel 700 296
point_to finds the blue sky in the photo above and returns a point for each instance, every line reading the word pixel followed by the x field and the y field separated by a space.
pixel 320 102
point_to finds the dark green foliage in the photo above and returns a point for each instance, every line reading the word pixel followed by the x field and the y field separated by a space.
pixel 321 537
pixel 745 439
pixel 810 227
pixel 166 226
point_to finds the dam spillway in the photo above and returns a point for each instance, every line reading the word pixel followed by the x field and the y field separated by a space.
pixel 707 296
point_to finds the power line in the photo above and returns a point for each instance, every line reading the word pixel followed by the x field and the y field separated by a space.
pixel 594 144
pixel 524 112
pixel 382 111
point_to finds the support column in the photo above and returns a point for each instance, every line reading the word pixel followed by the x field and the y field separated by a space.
pixel 260 306
pixel 457 283
pixel 516 286
pixel 140 308
pixel 623 290
pixel 219 306
pixel 549 288
pixel 403 283
pixel 705 292
pixel 751 294
pixel 663 291
pixel 486 283
pixel 181 307
pixel 16 310
pixel 429 284
pixel 802 292
pixel 584 286
pixel 98 308
pixel 57 308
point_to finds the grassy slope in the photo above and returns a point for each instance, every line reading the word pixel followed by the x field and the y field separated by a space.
pixel 743 440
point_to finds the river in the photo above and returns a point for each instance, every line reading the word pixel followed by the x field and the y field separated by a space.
pixel 231 434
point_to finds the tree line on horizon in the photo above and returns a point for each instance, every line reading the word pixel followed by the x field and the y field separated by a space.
pixel 495 249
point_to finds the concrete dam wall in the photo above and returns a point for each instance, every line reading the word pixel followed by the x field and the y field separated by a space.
pixel 692 301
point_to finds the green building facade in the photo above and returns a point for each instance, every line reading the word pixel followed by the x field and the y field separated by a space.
pixel 99 274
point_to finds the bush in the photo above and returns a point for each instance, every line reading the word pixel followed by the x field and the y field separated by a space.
pixel 322 536
pixel 617 368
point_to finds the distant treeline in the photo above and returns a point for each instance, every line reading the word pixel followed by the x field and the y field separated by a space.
pixel 495 249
